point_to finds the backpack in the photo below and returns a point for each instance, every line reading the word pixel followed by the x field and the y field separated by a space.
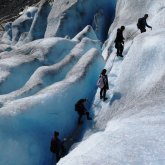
pixel 100 82
pixel 140 23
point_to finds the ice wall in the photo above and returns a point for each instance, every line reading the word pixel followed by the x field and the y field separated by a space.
pixel 38 28
pixel 127 14
pixel 80 11
pixel 60 19
pixel 31 130
pixel 38 78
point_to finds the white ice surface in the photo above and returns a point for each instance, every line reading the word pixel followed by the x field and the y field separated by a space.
pixel 27 124
pixel 47 75
pixel 40 82
pixel 129 127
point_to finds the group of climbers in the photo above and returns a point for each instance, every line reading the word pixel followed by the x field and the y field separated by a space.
pixel 57 146
pixel 119 41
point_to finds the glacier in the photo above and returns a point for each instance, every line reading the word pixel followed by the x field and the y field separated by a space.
pixel 52 55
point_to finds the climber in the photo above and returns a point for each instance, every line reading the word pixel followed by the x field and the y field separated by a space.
pixel 56 146
pixel 81 110
pixel 119 41
pixel 142 23
pixel 102 83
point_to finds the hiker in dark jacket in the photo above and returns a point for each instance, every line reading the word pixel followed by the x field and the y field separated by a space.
pixel 105 85
pixel 119 41
pixel 56 146
pixel 81 110
pixel 142 23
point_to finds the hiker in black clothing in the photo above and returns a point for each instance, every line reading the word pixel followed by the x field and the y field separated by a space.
pixel 142 23
pixel 56 146
pixel 119 41
pixel 81 110
pixel 105 86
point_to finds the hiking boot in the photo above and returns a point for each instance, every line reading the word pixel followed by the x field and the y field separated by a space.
pixel 120 55
pixel 101 97
pixel 104 99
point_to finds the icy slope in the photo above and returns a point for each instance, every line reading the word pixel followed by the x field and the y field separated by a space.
pixel 127 14
pixel 129 127
pixel 40 81
pixel 18 65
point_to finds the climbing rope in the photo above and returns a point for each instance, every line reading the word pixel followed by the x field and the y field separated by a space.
pixel 131 35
